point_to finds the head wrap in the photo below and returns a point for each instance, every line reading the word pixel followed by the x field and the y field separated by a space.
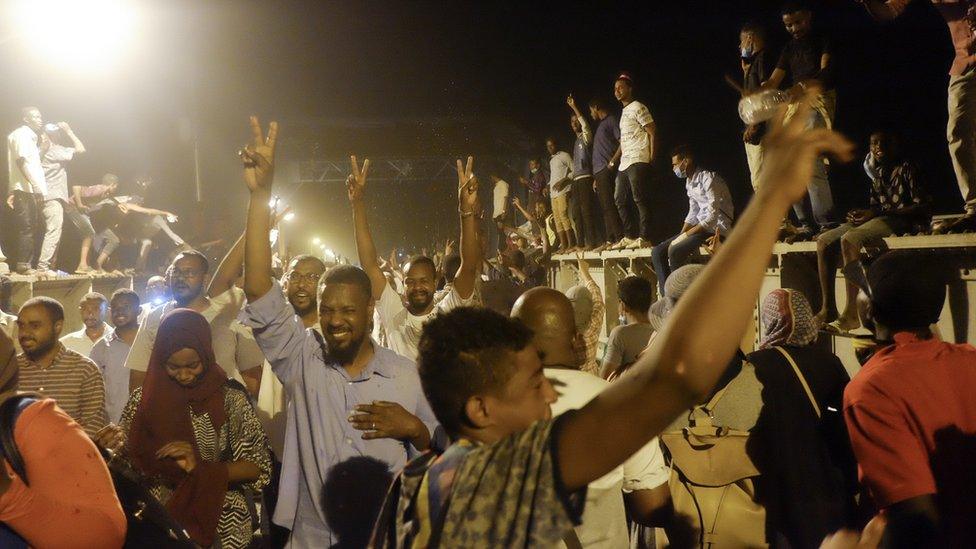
pixel 163 417
pixel 786 320
pixel 675 286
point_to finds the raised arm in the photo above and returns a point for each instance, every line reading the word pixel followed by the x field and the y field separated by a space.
pixel 587 134
pixel 356 189
pixel 468 207
pixel 228 270
pixel 686 360
pixel 885 10
pixel 76 143
pixel 258 158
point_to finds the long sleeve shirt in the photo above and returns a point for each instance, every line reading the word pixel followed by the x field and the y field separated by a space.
pixel 322 395
pixel 709 202
pixel 592 334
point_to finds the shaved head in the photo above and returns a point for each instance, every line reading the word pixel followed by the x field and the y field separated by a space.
pixel 549 314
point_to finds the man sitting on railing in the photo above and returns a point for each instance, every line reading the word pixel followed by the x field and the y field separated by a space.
pixel 898 205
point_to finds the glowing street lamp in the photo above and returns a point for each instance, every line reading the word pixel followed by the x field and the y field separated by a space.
pixel 317 241
pixel 289 216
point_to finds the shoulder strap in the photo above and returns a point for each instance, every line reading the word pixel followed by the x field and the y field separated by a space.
pixel 803 380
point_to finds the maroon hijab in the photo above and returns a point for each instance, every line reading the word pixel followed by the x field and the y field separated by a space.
pixel 163 417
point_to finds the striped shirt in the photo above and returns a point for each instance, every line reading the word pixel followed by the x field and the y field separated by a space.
pixel 73 381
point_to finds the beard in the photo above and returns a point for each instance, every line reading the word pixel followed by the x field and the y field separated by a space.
pixel 345 355
pixel 40 349
pixel 303 311
pixel 418 302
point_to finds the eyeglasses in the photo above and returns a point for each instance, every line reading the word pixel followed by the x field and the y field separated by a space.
pixel 296 277
pixel 188 273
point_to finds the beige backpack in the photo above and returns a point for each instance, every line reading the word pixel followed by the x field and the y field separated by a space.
pixel 713 481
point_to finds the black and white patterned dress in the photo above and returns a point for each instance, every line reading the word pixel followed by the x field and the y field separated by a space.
pixel 241 438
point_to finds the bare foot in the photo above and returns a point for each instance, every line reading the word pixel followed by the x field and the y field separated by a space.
pixel 847 322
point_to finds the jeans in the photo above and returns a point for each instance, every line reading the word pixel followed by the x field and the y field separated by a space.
pixel 583 212
pixel 961 133
pixel 27 214
pixel 633 187
pixel 817 208
pixel 604 193
pixel 53 213
pixel 667 258
pixel 81 222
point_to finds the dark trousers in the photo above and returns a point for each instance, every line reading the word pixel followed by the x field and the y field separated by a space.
pixel 667 258
pixel 604 194
pixel 27 216
pixel 633 188
pixel 583 212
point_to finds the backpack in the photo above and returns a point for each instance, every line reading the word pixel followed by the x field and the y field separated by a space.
pixel 713 479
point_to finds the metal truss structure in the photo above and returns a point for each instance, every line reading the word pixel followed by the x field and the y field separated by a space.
pixel 397 169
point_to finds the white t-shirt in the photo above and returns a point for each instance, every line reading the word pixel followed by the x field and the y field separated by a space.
pixel 79 341
pixel 605 518
pixel 500 199
pixel 402 328
pixel 233 343
pixel 634 140
pixel 560 167
pixel 22 143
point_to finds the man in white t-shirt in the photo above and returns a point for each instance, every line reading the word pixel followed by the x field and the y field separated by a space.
pixel 53 160
pixel 234 346
pixel 640 484
pixel 499 211
pixel 403 323
pixel 635 174
pixel 27 186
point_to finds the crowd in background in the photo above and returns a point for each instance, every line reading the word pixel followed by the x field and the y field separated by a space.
pixel 454 398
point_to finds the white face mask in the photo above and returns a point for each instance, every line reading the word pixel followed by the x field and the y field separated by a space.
pixel 534 170
pixel 622 319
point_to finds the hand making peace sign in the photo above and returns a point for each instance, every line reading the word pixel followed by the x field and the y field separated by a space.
pixel 258 156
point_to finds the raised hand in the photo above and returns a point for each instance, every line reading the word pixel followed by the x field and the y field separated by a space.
pixel 356 182
pixel 258 156
pixel 467 187
pixel 789 151
pixel 571 102
pixel 448 247
pixel 583 266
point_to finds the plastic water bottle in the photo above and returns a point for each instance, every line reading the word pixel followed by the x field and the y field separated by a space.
pixel 760 107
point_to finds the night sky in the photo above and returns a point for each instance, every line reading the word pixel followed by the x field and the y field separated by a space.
pixel 494 74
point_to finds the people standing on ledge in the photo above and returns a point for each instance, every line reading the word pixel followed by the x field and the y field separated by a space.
pixel 635 175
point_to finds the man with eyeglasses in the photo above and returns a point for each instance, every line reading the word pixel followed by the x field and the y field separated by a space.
pixel 234 345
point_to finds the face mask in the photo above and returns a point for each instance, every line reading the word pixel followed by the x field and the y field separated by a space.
pixel 746 53
pixel 622 320
pixel 534 170
pixel 680 173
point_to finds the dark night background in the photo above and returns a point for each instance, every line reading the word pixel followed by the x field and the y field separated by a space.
pixel 427 78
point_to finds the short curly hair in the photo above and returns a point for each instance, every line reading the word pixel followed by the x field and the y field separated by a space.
pixel 467 352
pixel 636 293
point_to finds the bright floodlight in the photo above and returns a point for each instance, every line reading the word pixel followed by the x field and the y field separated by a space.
pixel 317 241
pixel 77 35
pixel 329 253
pixel 289 216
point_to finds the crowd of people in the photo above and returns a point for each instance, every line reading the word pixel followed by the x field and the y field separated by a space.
pixel 455 399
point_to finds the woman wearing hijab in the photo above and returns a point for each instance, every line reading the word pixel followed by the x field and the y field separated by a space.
pixel 195 436
pixel 800 441
pixel 59 493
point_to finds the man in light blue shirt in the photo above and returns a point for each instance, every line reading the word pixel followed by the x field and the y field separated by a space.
pixel 353 404
pixel 710 213
pixel 110 352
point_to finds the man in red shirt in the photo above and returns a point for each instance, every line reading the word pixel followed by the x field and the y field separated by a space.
pixel 910 412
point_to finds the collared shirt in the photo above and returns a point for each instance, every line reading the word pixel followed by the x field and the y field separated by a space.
pixel 582 157
pixel 55 173
pixel 73 381
pixel 109 354
pixel 402 327
pixel 233 343
pixel 634 141
pixel 537 182
pixel 604 521
pixel 319 436
pixel 911 416
pixel 605 142
pixel 560 167
pixel 79 341
pixel 23 143
pixel 709 202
